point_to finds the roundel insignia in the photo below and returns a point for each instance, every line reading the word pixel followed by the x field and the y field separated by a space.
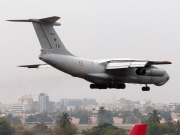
pixel 80 63
pixel 57 45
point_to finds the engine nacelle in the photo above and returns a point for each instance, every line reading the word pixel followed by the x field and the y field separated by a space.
pixel 150 72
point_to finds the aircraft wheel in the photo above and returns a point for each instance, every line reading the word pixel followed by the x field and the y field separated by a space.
pixel 123 86
pixel 92 86
pixel 145 88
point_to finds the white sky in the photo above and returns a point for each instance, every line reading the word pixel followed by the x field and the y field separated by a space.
pixel 94 29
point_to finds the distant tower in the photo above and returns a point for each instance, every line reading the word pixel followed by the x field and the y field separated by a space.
pixel 43 102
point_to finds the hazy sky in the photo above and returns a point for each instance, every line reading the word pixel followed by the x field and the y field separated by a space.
pixel 93 29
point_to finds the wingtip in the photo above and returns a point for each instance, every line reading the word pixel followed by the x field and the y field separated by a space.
pixel 168 62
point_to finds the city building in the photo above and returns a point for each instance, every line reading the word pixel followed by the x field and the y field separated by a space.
pixel 43 103
pixel 87 101
pixel 171 106
pixel 51 107
pixel 77 102
pixel 117 120
pixel 20 108
pixel 25 104
pixel 75 120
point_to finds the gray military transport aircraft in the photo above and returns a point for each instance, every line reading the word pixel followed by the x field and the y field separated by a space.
pixel 103 74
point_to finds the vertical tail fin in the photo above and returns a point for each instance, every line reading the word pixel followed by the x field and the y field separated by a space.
pixel 47 36
pixel 138 129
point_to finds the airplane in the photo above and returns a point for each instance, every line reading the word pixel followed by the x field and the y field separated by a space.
pixel 103 74
pixel 138 129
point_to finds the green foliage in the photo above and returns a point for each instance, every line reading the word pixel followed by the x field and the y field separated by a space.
pixel 28 132
pixel 106 117
pixel 177 128
pixel 158 129
pixel 64 120
pixel 14 120
pixel 166 115
pixel 39 117
pixel 83 115
pixel 40 127
pixel 132 120
pixel 104 129
pixel 154 117
pixel 5 128
pixel 18 126
pixel 71 130
pixel 136 113
pixel 125 114
pixel 101 111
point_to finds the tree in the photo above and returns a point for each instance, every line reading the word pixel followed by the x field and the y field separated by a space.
pixel 124 115
pixel 154 117
pixel 166 115
pixel 28 132
pixel 64 121
pixel 40 127
pixel 5 128
pixel 72 129
pixel 104 129
pixel 39 117
pixel 101 111
pixel 136 113
pixel 177 128
pixel 132 120
pixel 83 115
pixel 12 119
pixel 107 117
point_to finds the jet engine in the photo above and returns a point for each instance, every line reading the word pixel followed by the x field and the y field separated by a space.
pixel 150 72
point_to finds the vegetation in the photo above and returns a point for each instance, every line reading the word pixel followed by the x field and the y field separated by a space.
pixel 28 132
pixel 5 128
pixel 104 129
pixel 166 115
pixel 12 119
pixel 64 123
pixel 101 111
pixel 43 117
pixel 41 127
pixel 83 115
pixel 154 117
pixel 71 130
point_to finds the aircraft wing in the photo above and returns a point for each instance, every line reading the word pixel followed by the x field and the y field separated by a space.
pixel 118 64
pixel 36 66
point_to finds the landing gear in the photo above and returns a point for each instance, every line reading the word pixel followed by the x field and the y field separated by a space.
pixel 110 86
pixel 146 88
pixel 98 86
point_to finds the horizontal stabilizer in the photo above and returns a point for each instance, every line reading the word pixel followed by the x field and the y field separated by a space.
pixel 36 66
pixel 51 20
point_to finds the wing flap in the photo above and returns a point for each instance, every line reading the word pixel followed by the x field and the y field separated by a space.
pixel 138 64
pixel 118 64
pixel 125 64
